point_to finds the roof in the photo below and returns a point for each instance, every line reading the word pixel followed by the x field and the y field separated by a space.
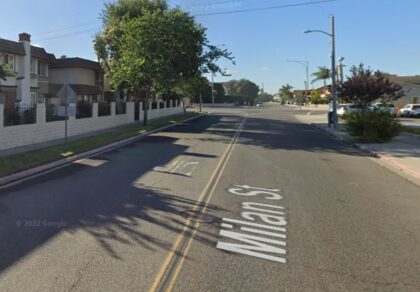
pixel 17 48
pixel 40 53
pixel 405 80
pixel 12 47
pixel 75 63
pixel 81 89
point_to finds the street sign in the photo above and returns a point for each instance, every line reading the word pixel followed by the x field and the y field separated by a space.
pixel 62 111
pixel 71 95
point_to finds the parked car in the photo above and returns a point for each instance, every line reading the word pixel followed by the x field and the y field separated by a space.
pixel 259 104
pixel 347 108
pixel 410 110
pixel 389 108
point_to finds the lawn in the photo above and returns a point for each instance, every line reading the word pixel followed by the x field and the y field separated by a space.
pixel 26 160
pixel 412 130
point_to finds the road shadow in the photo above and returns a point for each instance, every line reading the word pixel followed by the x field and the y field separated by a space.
pixel 109 202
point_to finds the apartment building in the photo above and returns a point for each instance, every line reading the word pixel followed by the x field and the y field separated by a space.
pixel 39 75
pixel 85 77
pixel 29 65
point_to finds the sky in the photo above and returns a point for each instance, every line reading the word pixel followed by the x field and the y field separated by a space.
pixel 382 34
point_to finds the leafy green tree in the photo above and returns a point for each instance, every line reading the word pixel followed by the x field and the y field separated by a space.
pixel 286 92
pixel 153 49
pixel 5 73
pixel 323 73
pixel 264 97
pixel 315 97
pixel 365 86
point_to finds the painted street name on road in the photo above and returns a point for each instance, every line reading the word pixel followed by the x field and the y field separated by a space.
pixel 263 232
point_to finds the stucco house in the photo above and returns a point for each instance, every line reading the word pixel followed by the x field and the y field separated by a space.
pixel 85 77
pixel 30 66
pixel 39 75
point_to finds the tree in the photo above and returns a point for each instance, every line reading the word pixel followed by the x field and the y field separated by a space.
pixel 231 87
pixel 323 73
pixel 315 97
pixel 365 86
pixel 286 92
pixel 153 49
pixel 248 89
pixel 264 97
pixel 5 73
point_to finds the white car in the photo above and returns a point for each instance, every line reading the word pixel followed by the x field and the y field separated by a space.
pixel 389 108
pixel 346 108
pixel 410 110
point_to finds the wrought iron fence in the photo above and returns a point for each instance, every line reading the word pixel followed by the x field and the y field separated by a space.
pixel 154 105
pixel 83 110
pixel 53 113
pixel 104 109
pixel 168 103
pixel 120 108
pixel 21 114
pixel 161 104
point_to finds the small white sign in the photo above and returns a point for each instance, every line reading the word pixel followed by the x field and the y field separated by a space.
pixel 71 111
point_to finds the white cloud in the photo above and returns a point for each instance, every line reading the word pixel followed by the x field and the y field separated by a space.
pixel 264 68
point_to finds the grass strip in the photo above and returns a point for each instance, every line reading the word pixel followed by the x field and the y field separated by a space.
pixel 22 161
pixel 411 130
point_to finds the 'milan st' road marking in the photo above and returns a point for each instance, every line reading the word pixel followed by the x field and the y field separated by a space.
pixel 265 241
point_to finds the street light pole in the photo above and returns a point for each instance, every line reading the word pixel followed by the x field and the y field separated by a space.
pixel 306 65
pixel 333 83
pixel 212 87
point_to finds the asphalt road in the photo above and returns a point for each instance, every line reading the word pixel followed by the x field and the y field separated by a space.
pixel 241 200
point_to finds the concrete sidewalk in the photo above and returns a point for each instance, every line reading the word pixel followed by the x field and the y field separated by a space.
pixel 401 155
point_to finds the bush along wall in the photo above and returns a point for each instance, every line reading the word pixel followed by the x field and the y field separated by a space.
pixel 372 126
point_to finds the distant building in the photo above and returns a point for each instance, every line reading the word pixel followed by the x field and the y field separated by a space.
pixel 411 87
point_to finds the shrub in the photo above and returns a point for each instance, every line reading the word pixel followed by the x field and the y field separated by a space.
pixel 372 126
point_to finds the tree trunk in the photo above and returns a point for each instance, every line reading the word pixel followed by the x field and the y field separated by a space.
pixel 183 106
pixel 146 108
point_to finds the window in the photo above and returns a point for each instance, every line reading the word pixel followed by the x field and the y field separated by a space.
pixel 9 61
pixel 37 98
pixel 98 76
pixel 42 69
pixel 34 66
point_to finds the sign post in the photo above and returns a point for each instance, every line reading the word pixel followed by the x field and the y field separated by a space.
pixel 67 95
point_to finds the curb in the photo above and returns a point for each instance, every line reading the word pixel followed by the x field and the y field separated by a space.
pixel 349 142
pixel 411 135
pixel 49 167
pixel 396 167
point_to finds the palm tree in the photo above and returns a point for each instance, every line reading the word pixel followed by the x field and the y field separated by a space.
pixel 286 91
pixel 323 73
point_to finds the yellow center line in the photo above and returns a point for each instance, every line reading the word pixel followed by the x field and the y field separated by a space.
pixel 215 177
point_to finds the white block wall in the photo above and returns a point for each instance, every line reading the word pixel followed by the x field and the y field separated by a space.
pixel 42 131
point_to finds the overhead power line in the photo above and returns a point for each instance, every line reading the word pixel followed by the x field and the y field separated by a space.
pixel 65 28
pixel 197 15
pixel 68 34
pixel 265 8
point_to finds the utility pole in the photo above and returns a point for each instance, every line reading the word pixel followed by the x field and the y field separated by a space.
pixel 333 84
pixel 212 87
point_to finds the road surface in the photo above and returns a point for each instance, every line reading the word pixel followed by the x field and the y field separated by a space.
pixel 240 200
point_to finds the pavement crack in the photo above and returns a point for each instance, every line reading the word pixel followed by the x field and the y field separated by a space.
pixel 81 272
